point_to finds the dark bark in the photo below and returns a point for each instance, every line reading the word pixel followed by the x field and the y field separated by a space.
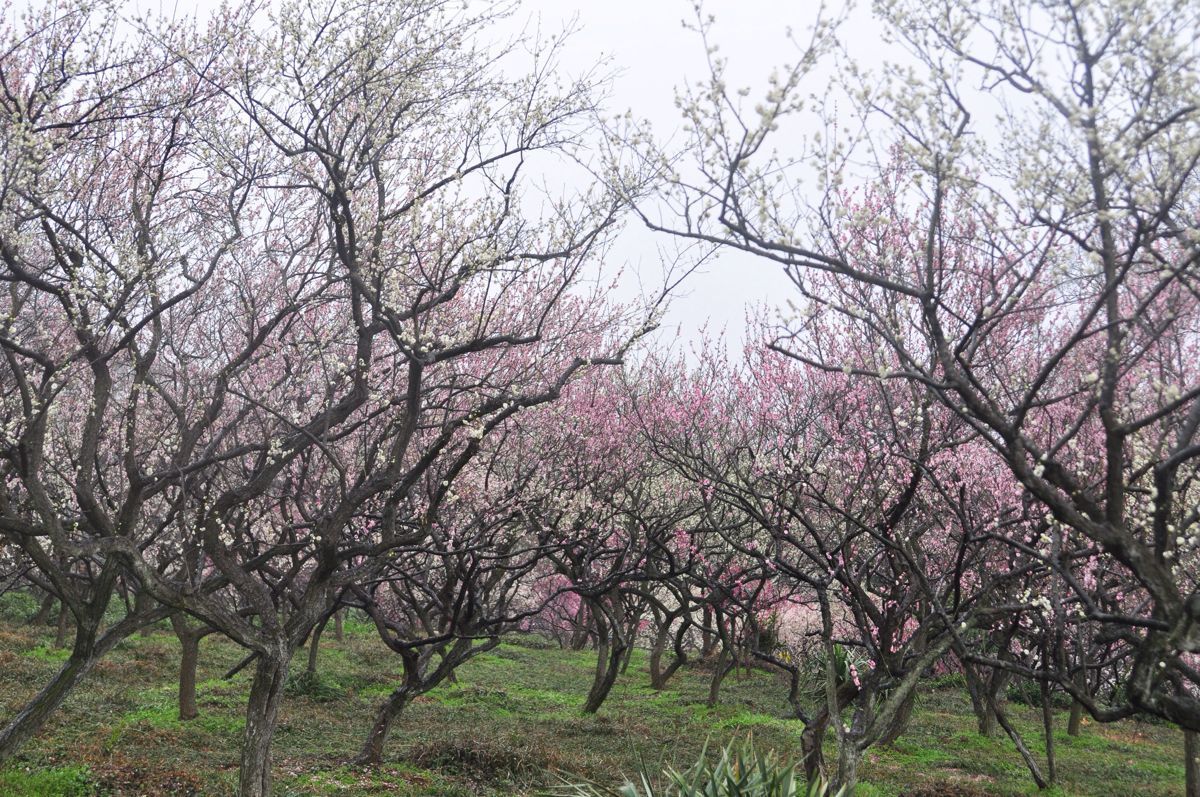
pixel 262 714
pixel 42 616
pixel 1191 763
pixel 86 651
pixel 1048 732
pixel 189 644
pixel 1075 721
pixel 339 632
pixel 64 617
pixel 812 739
pixel 372 749
pixel 610 651
pixel 314 648
pixel 188 660
pixel 1026 756
pixel 658 674
pixel 725 663
pixel 31 718
pixel 900 720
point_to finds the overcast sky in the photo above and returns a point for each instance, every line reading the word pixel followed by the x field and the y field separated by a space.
pixel 653 54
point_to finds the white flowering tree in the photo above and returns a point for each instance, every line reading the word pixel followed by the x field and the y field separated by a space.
pixel 262 280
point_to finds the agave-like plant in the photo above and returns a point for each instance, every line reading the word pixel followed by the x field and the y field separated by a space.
pixel 739 771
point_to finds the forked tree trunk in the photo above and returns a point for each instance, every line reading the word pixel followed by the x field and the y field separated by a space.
pixel 659 676
pixel 262 715
pixel 579 636
pixel 608 664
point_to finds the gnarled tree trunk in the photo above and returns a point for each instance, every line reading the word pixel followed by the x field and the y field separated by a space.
pixel 262 715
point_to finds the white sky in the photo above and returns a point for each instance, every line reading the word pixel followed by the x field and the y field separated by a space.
pixel 653 54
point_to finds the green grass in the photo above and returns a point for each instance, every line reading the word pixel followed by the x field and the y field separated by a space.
pixel 509 725
pixel 66 781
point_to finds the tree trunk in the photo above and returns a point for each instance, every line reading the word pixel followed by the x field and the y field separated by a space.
pixel 262 714
pixel 1026 756
pixel 812 743
pixel 190 644
pixel 708 639
pixel 60 637
pixel 42 616
pixel 86 651
pixel 1048 732
pixel 608 664
pixel 372 749
pixel 1191 763
pixel 656 653
pixel 582 630
pixel 724 665
pixel 900 722
pixel 339 632
pixel 314 648
pixel 847 774
pixel 1076 719
pixel 31 718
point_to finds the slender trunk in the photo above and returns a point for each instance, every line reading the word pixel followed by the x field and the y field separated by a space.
pixel 42 617
pixel 656 653
pixel 339 632
pixel 262 714
pixel 1026 756
pixel 314 649
pixel 372 749
pixel 724 664
pixel 626 657
pixel 190 644
pixel 60 637
pixel 1191 763
pixel 1048 732
pixel 708 639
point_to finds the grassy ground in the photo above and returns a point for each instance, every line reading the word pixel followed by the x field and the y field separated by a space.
pixel 510 722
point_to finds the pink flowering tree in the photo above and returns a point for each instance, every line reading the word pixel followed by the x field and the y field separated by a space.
pixel 1039 283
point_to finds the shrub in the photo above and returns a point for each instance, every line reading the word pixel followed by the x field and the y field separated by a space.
pixel 739 771
pixel 314 686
